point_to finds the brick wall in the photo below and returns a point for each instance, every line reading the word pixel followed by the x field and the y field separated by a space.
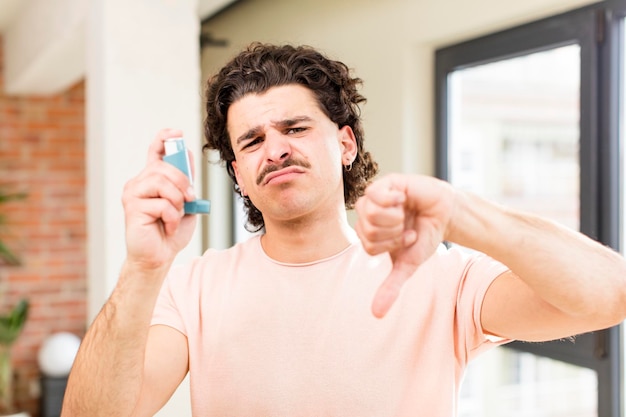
pixel 42 153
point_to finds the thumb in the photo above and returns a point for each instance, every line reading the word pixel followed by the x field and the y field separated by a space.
pixel 385 296
pixel 401 270
pixel 389 290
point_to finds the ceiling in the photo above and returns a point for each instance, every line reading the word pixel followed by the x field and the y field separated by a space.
pixel 9 9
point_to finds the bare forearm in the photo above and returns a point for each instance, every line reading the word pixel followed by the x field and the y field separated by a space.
pixel 570 271
pixel 107 375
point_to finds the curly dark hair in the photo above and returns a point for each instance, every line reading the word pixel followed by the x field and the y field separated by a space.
pixel 260 67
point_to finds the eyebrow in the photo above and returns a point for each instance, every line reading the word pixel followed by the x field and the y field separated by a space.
pixel 257 130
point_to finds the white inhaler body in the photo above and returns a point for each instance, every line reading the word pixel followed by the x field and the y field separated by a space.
pixel 176 154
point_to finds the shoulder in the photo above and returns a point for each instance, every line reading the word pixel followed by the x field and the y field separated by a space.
pixel 214 264
pixel 453 270
pixel 460 262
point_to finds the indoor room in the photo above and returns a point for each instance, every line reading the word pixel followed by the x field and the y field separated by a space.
pixel 520 103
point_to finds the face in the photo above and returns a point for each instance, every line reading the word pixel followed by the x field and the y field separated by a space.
pixel 288 154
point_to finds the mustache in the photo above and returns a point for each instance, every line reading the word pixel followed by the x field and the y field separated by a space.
pixel 286 163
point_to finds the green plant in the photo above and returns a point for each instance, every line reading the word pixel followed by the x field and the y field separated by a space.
pixel 12 323
pixel 10 327
pixel 6 255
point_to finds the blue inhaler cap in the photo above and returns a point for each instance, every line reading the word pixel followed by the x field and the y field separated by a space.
pixel 198 207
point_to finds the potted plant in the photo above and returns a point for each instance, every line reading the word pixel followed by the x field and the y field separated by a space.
pixel 11 324
pixel 10 327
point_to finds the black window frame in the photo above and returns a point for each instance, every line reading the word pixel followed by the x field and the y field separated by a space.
pixel 598 29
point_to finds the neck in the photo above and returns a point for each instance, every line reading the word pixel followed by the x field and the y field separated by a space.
pixel 307 240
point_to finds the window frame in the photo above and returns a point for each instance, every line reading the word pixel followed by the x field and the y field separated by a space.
pixel 598 30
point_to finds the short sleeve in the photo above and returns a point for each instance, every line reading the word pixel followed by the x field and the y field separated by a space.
pixel 166 310
pixel 480 272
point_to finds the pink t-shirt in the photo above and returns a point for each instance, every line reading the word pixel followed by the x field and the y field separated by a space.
pixel 271 339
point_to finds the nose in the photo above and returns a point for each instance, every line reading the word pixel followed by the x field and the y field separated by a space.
pixel 277 147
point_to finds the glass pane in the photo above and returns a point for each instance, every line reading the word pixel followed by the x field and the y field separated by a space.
pixel 504 382
pixel 514 132
pixel 514 138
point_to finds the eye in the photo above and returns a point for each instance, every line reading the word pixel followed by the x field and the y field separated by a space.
pixel 252 143
pixel 295 130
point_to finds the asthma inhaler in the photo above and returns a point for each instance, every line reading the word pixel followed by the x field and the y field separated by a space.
pixel 176 154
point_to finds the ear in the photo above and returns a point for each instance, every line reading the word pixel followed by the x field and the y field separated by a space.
pixel 348 144
pixel 238 177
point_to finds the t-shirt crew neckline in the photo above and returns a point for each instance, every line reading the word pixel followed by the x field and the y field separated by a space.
pixel 259 247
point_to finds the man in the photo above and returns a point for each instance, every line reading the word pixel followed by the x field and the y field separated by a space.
pixel 311 317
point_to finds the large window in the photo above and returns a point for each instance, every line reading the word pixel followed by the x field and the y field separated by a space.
pixel 530 117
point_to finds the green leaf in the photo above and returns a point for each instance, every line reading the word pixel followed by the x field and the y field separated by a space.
pixel 7 256
pixel 4 198
pixel 11 325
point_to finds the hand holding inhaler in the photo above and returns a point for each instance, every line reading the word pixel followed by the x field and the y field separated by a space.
pixel 176 154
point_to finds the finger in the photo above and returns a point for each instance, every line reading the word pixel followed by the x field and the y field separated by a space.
pixel 375 237
pixel 156 150
pixel 382 229
pixel 168 171
pixel 168 183
pixel 377 215
pixel 399 241
pixel 149 211
pixel 384 195
pixel 380 215
pixel 178 178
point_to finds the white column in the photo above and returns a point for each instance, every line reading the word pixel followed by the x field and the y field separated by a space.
pixel 143 74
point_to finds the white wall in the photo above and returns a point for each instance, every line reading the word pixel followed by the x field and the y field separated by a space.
pixel 142 75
